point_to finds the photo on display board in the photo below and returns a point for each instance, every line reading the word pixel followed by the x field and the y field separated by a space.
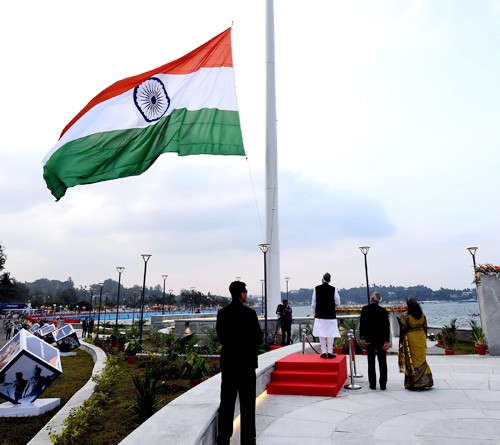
pixel 28 366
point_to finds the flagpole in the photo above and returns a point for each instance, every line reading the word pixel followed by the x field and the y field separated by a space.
pixel 272 214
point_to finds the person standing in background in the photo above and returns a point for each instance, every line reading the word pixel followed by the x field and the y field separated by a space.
pixel 375 331
pixel 239 332
pixel 325 299
pixel 287 319
pixel 413 347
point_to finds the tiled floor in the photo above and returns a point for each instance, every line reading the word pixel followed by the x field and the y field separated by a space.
pixel 463 407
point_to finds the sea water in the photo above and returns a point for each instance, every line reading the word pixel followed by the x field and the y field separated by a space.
pixel 437 313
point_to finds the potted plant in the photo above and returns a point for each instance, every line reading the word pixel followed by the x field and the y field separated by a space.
pixel 121 340
pixel 338 344
pixel 195 368
pixel 132 349
pixel 113 337
pixel 450 337
pixel 479 337
pixel 439 337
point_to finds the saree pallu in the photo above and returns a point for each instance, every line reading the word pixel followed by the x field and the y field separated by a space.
pixel 412 352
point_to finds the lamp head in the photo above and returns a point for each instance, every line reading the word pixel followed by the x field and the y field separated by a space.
pixel 364 249
pixel 146 257
pixel 164 277
pixel 472 250
pixel 264 247
pixel 120 269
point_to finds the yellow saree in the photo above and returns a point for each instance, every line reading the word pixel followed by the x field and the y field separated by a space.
pixel 412 352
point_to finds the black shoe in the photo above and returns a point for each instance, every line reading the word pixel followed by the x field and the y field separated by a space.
pixel 382 388
pixel 331 355
pixel 323 356
pixel 373 387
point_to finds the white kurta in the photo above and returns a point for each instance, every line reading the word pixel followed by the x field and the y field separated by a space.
pixel 325 327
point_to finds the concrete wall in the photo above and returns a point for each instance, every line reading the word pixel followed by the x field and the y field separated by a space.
pixel 488 297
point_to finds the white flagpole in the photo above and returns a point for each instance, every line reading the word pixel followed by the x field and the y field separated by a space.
pixel 272 219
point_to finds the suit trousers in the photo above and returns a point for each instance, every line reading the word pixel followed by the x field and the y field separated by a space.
pixel 233 383
pixel 377 350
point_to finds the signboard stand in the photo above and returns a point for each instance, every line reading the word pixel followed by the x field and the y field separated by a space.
pixel 36 408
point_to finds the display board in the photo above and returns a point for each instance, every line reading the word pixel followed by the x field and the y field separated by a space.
pixel 28 365
pixel 47 332
pixel 66 338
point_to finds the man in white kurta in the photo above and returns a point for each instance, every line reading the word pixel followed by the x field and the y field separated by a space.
pixel 325 299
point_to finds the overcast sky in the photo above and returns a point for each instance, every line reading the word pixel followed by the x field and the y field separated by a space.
pixel 388 136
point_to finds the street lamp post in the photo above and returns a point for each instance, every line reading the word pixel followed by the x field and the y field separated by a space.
pixel 133 309
pixel 262 297
pixel 264 248
pixel 120 270
pixel 170 299
pixel 99 313
pixel 364 251
pixel 91 299
pixel 472 251
pixel 193 290
pixel 163 301
pixel 286 279
pixel 145 257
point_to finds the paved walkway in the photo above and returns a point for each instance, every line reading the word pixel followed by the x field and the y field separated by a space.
pixel 463 407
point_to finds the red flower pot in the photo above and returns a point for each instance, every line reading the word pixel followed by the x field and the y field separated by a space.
pixel 449 352
pixel 337 351
pixel 481 349
pixel 440 341
pixel 131 359
pixel 195 382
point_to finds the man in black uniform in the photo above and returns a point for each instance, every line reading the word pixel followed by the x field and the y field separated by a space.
pixel 374 330
pixel 239 332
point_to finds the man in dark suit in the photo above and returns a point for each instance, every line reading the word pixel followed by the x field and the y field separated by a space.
pixel 374 330
pixel 239 332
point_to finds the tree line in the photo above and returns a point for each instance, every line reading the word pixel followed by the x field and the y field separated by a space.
pixel 45 292
pixel 390 294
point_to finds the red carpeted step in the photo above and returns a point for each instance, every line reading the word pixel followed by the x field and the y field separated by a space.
pixel 279 388
pixel 308 374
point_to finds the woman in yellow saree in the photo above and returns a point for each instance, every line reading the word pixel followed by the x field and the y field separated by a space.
pixel 413 346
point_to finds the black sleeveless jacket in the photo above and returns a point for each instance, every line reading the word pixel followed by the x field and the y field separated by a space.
pixel 325 302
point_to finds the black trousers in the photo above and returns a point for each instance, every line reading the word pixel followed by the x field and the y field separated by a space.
pixel 242 383
pixel 377 350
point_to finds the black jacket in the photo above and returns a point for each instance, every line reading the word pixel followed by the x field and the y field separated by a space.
pixel 374 324
pixel 239 332
pixel 325 302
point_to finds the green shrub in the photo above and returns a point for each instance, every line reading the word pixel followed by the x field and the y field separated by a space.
pixel 82 419
pixel 146 401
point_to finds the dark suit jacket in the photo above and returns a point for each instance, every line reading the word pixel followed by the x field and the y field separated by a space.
pixel 374 324
pixel 239 332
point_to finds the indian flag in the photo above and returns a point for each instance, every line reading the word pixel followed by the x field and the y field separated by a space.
pixel 187 106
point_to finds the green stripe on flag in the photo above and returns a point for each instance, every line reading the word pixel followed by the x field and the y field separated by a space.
pixel 122 153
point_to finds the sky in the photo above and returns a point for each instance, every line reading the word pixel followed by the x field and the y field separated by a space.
pixel 388 122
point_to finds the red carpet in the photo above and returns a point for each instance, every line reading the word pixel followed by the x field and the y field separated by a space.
pixel 308 375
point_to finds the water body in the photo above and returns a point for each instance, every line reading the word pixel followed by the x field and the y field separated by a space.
pixel 437 313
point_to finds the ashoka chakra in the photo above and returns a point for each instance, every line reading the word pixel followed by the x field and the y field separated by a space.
pixel 151 99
